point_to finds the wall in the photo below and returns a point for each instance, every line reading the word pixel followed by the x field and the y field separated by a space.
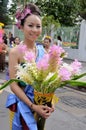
pixel 79 53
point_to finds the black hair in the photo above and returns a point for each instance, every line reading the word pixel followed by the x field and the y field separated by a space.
pixel 47 39
pixel 59 38
pixel 34 10
pixel 16 37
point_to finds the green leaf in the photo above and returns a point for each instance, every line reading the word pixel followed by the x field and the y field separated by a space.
pixel 78 76
pixel 46 82
pixel 9 82
pixel 75 83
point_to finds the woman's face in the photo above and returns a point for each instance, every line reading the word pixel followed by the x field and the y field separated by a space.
pixel 32 27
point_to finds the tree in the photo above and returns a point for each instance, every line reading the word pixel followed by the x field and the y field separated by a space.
pixel 49 24
pixel 15 4
pixel 64 10
pixel 4 17
pixel 82 8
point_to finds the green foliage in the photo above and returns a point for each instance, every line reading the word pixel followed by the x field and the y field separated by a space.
pixel 49 23
pixel 4 17
pixel 15 4
pixel 12 10
pixel 63 10
pixel 82 8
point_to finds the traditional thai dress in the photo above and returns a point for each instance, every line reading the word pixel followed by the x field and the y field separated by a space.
pixel 24 117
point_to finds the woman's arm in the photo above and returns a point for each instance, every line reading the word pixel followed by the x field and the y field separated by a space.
pixel 13 62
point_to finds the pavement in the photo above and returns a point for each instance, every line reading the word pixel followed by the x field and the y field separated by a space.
pixel 69 114
pixel 70 111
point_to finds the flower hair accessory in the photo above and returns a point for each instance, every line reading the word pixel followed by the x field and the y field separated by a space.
pixel 21 14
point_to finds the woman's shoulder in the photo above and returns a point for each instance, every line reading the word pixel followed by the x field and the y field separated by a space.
pixel 14 51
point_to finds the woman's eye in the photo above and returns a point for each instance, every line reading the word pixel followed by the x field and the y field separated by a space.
pixel 38 26
pixel 30 25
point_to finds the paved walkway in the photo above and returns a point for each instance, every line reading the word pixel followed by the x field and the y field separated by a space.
pixel 69 114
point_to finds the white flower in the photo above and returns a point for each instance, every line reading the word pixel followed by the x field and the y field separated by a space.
pixel 49 76
pixel 20 71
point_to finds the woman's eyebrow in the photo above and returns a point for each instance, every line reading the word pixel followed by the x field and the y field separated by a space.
pixel 33 23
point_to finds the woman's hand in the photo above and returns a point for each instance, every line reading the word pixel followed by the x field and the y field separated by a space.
pixel 53 108
pixel 42 110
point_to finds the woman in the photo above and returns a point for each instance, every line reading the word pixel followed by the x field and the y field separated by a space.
pixel 16 41
pixel 3 51
pixel 46 43
pixel 11 39
pixel 29 22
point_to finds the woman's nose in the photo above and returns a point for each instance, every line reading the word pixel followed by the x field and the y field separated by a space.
pixel 35 29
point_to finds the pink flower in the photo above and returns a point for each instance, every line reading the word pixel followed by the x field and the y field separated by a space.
pixel 59 61
pixel 43 63
pixel 29 56
pixel 76 66
pixel 55 56
pixel 18 14
pixel 27 11
pixel 64 74
pixel 21 14
pixel 56 50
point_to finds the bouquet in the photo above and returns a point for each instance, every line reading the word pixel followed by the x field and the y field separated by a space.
pixel 47 75
pixel 50 72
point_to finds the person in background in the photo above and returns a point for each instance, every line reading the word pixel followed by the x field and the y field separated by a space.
pixel 16 41
pixel 59 41
pixel 29 21
pixel 3 51
pixel 47 43
pixel 5 38
pixel 11 39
